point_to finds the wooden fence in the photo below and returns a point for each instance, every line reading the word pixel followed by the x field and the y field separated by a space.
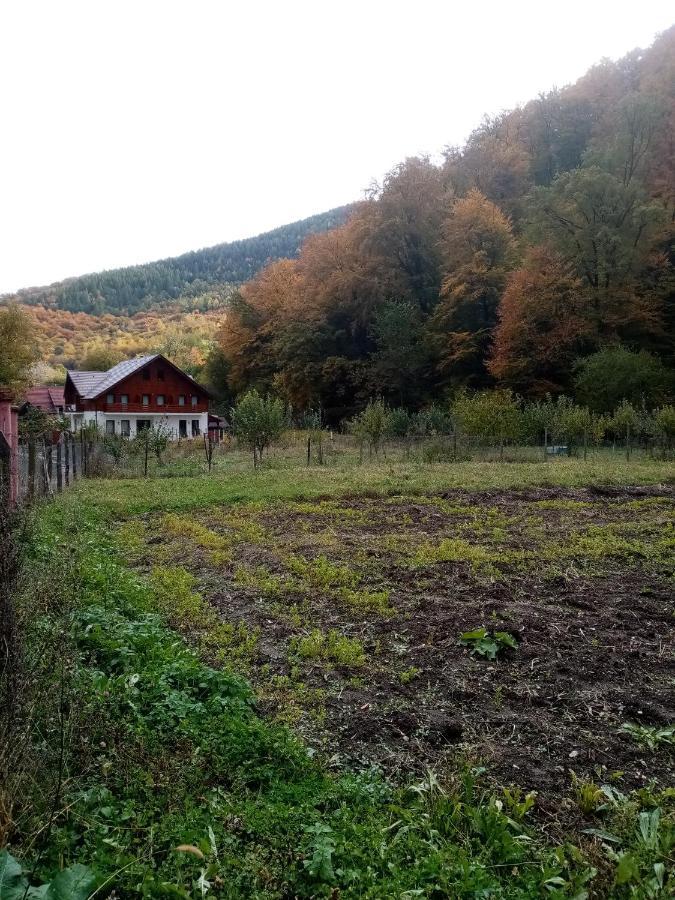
pixel 48 465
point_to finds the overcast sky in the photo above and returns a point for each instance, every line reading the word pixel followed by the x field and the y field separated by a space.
pixel 137 130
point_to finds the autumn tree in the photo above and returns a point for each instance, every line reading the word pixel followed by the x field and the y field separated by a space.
pixel 543 325
pixel 19 350
pixel 100 358
pixel 478 251
pixel 605 228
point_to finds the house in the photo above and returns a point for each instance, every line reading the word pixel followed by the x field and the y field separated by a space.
pixel 46 398
pixel 137 394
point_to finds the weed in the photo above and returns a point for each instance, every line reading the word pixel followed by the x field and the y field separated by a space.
pixel 650 736
pixel 455 550
pixel 331 647
pixel 487 644
pixel 321 573
pixel 377 601
pixel 182 526
pixel 409 675
pixel 186 609
pixel 587 795
pixel 261 580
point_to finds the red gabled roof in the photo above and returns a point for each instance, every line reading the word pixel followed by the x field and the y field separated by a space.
pixel 46 398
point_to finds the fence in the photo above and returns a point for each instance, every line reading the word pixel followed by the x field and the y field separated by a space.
pixel 48 465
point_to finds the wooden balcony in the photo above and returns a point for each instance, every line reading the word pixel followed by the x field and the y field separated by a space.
pixel 152 409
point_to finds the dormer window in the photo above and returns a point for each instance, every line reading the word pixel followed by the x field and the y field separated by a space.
pixel 110 399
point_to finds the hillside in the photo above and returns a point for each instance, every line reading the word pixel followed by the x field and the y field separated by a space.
pixel 543 241
pixel 135 288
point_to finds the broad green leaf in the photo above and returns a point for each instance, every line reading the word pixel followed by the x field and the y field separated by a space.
pixel 74 883
pixel 12 883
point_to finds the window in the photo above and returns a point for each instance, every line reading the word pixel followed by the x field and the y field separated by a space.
pixel 159 400
pixel 195 428
pixel 182 428
pixel 142 424
pixel 124 399
pixel 125 428
pixel 110 399
pixel 146 399
pixel 110 426
pixel 181 400
pixel 146 374
pixel 194 400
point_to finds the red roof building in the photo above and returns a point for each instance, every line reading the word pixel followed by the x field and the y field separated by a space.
pixel 137 394
pixel 48 399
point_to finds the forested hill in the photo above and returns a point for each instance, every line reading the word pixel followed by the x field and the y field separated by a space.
pixel 136 288
pixel 542 245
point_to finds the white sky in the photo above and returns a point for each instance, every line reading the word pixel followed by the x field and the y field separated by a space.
pixel 137 130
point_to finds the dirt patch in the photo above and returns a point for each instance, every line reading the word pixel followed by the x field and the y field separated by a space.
pixel 581 579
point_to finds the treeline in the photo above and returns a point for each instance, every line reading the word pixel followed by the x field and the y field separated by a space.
pixel 189 276
pixel 541 247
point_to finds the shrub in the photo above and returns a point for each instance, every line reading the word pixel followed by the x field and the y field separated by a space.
pixel 614 374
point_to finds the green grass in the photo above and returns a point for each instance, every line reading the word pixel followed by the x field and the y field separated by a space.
pixel 166 747
pixel 171 754
pixel 124 498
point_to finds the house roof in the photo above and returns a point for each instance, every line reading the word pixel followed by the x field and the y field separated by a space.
pixel 85 381
pixel 91 385
pixel 45 397
pixel 117 373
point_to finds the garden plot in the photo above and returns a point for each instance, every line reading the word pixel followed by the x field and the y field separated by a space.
pixel 527 631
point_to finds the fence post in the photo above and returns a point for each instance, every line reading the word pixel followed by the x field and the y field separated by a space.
pixel 49 454
pixel 31 467
pixel 59 463
pixel 66 458
pixel 73 451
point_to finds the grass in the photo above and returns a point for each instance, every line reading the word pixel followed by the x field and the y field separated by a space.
pixel 169 749
pixel 125 498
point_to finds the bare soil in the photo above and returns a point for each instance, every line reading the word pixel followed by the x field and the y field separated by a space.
pixel 594 628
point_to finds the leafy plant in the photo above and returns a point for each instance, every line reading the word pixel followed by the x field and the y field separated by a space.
pixel 486 643
pixel 77 882
pixel 650 736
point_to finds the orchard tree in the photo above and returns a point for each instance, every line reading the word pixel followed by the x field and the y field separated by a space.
pixel 371 425
pixel 258 422
pixel 490 416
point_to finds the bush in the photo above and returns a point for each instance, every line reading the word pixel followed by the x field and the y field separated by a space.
pixel 614 374
pixel 399 422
